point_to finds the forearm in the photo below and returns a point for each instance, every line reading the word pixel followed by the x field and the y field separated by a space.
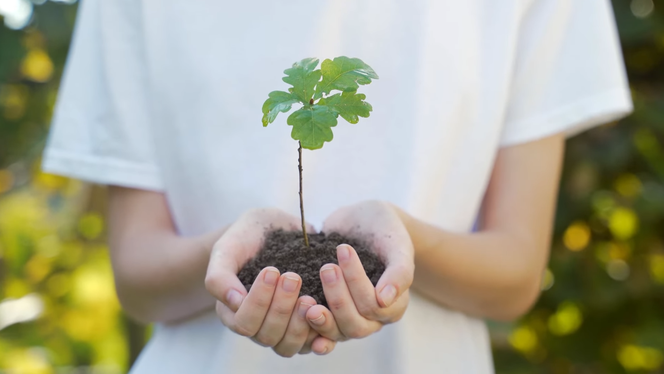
pixel 160 276
pixel 496 272
pixel 486 274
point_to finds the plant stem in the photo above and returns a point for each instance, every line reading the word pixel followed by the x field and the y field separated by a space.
pixel 299 168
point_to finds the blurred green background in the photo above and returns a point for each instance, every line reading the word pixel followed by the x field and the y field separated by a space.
pixel 602 309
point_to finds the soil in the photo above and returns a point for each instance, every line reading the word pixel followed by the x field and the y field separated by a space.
pixel 286 251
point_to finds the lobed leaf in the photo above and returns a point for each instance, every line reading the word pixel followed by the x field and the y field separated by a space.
pixel 349 105
pixel 344 74
pixel 303 78
pixel 312 125
pixel 278 101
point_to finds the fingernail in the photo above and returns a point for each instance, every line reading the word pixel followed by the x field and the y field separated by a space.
pixel 320 321
pixel 343 253
pixel 271 277
pixel 290 283
pixel 322 353
pixel 328 274
pixel 234 299
pixel 302 310
pixel 388 294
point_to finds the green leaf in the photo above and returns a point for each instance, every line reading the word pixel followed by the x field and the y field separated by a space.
pixel 344 74
pixel 278 101
pixel 349 105
pixel 303 78
pixel 312 126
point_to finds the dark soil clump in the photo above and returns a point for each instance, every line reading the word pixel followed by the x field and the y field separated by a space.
pixel 286 251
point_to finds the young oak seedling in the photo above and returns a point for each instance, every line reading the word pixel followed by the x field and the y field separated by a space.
pixel 312 124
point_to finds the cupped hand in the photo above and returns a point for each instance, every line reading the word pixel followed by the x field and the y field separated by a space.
pixel 271 313
pixel 357 308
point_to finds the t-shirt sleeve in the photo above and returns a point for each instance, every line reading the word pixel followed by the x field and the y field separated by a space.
pixel 101 125
pixel 569 73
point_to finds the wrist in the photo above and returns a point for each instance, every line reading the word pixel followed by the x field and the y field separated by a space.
pixel 406 219
pixel 207 241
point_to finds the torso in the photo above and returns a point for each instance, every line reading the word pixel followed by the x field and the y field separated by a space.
pixel 428 147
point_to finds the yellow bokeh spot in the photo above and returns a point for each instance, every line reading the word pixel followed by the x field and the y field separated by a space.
pixel 80 325
pixel 14 99
pixel 95 307
pixel 577 236
pixel 524 339
pixel 634 357
pixel 547 279
pixel 27 361
pixel 37 65
pixel 657 267
pixel 566 320
pixel 6 180
pixel 37 268
pixel 623 223
pixel 16 288
pixel 91 225
pixel 628 185
pixel 93 286
pixel 49 181
pixel 89 324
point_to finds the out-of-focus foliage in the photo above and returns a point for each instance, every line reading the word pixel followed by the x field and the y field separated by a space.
pixel 602 310
pixel 58 309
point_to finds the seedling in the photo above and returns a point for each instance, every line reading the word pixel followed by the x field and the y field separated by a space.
pixel 313 88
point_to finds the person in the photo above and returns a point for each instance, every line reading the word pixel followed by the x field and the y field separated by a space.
pixel 161 101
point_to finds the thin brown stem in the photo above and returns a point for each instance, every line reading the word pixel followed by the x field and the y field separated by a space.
pixel 299 168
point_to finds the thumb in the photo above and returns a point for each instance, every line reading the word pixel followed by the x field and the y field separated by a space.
pixel 396 280
pixel 222 282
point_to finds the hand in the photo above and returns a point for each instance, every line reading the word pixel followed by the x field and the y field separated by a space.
pixel 271 314
pixel 357 309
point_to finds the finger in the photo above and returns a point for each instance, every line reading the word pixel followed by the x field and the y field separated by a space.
pixel 361 289
pixel 322 322
pixel 281 310
pixel 350 322
pixel 298 329
pixel 306 348
pixel 228 319
pixel 396 279
pixel 226 315
pixel 323 345
pixel 222 282
pixel 396 311
pixel 251 314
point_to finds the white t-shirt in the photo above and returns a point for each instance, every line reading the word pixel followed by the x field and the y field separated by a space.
pixel 167 96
